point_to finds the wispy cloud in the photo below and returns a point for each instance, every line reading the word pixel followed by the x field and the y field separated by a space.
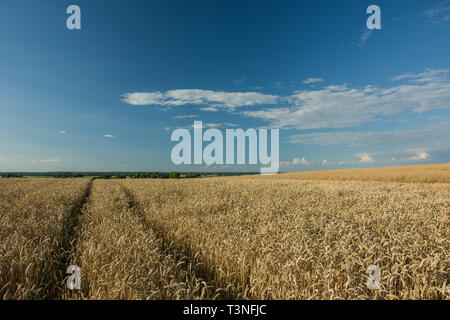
pixel 333 106
pixel 428 75
pixel 186 116
pixel 109 136
pixel 62 132
pixel 46 161
pixel 199 97
pixel 240 80
pixel 207 125
pixel 214 125
pixel 365 37
pixel 341 106
pixel 440 13
pixel 230 124
pixel 210 109
pixel 312 80
pixel 278 84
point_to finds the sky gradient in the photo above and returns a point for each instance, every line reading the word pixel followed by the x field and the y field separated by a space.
pixel 107 97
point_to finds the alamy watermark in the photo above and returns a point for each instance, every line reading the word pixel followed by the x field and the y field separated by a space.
pixel 74 280
pixel 235 139
pixel 73 22
pixel 374 279
pixel 374 21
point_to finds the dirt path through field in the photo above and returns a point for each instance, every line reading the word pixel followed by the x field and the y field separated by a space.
pixel 199 269
pixel 121 257
pixel 69 236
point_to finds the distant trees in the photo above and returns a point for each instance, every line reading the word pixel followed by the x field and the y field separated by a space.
pixel 174 175
pixel 110 176
pixel 11 175
pixel 68 175
pixel 146 175
pixel 159 175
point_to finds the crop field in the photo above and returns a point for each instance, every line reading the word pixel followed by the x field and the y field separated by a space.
pixel 419 173
pixel 36 225
pixel 288 236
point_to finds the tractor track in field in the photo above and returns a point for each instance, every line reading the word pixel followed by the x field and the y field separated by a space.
pixel 200 269
pixel 63 254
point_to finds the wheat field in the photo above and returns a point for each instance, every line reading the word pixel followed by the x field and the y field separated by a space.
pixel 298 237
pixel 417 173
pixel 36 222
pixel 121 258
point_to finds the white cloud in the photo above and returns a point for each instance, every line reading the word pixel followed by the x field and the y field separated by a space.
pixel 110 136
pixel 296 161
pixel 365 158
pixel 62 131
pixel 324 162
pixel 46 161
pixel 420 156
pixel 400 155
pixel 340 106
pixel 312 80
pixel 211 109
pixel 199 97
pixel 206 125
pixel 334 106
pixel 185 116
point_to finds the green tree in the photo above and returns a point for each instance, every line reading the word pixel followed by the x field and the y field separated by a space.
pixel 174 175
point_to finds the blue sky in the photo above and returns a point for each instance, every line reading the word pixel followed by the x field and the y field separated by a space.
pixel 108 96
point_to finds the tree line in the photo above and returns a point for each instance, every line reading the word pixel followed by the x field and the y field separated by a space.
pixel 11 175
pixel 137 175
pixel 151 175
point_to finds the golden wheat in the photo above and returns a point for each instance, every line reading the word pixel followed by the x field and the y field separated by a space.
pixel 418 173
pixel 246 238
pixel 121 258
pixel 35 219
pixel 281 239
